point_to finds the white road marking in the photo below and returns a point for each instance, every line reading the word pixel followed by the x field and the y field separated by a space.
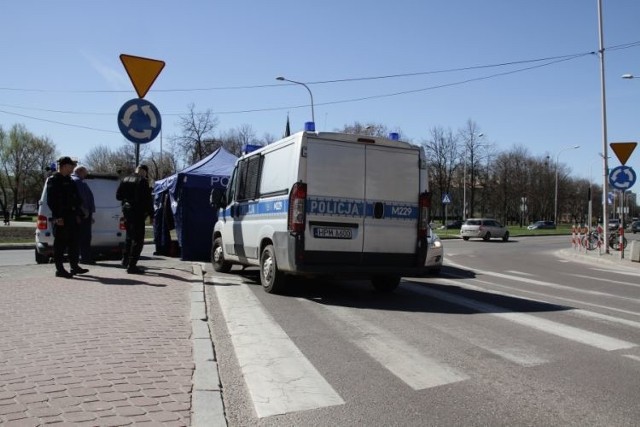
pixel 606 318
pixel 400 358
pixel 521 273
pixel 279 377
pixel 548 284
pixel 617 271
pixel 555 328
pixel 617 282
pixel 547 301
pixel 631 356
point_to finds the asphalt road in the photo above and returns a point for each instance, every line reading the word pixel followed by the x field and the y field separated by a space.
pixel 510 334
pixel 516 333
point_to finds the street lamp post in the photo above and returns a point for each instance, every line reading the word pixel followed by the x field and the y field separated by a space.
pixel 590 213
pixel 282 79
pixel 555 204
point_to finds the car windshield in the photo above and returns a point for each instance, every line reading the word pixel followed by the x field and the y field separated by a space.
pixel 473 222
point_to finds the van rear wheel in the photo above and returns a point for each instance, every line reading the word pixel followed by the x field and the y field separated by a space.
pixel 41 259
pixel 385 283
pixel 217 257
pixel 273 280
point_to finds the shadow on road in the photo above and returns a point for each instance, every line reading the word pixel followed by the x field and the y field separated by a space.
pixel 413 295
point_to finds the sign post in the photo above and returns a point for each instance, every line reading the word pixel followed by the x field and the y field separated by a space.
pixel 446 199
pixel 139 120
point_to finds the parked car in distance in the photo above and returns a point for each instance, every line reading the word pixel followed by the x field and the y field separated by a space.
pixel 107 231
pixel 614 224
pixel 435 254
pixel 542 225
pixel 483 228
pixel 453 225
pixel 634 227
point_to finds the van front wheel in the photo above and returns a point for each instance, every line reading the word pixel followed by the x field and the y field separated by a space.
pixel 217 257
pixel 385 283
pixel 272 279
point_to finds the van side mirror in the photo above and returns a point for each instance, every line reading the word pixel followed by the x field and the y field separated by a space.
pixel 217 198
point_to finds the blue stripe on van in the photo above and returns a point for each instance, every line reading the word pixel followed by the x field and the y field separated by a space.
pixel 395 210
pixel 335 207
pixel 349 208
pixel 264 208
pixel 354 208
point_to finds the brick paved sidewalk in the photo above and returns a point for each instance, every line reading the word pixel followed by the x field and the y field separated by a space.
pixel 105 348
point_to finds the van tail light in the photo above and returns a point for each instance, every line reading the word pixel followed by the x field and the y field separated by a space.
pixel 297 205
pixel 424 203
pixel 122 225
pixel 41 224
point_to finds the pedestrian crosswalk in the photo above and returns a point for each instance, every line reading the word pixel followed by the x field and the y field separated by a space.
pixel 281 379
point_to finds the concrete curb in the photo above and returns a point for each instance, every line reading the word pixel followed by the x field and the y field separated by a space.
pixel 207 407
pixel 594 257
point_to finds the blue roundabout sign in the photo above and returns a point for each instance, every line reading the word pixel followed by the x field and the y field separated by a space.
pixel 139 121
pixel 622 177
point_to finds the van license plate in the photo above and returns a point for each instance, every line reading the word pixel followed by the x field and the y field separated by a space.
pixel 332 233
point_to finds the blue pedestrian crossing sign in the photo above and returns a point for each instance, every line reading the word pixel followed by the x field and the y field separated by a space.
pixel 622 178
pixel 446 198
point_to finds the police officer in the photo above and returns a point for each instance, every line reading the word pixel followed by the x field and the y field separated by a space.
pixel 135 194
pixel 64 201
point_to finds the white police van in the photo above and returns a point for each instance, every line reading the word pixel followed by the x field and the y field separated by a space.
pixel 326 204
pixel 107 231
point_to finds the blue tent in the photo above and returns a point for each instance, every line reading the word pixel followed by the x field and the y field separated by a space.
pixel 186 196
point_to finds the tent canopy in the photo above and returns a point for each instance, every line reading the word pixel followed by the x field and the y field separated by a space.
pixel 187 194
pixel 211 172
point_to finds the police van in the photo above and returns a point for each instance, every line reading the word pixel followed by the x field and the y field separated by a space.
pixel 325 204
pixel 107 231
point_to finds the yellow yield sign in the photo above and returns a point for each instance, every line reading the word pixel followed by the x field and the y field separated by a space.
pixel 623 150
pixel 142 72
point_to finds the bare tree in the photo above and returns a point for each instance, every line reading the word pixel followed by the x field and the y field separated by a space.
pixel 441 150
pixel 267 139
pixel 196 140
pixel 235 139
pixel 102 159
pixel 472 155
pixel 162 164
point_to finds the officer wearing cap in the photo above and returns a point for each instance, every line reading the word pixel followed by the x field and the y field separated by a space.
pixel 135 194
pixel 64 201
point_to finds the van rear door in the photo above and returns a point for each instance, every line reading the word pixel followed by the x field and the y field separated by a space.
pixel 392 188
pixel 335 179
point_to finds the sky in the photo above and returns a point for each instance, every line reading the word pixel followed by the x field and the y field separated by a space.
pixel 410 65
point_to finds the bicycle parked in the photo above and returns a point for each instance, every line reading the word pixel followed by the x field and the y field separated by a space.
pixel 595 240
pixel 614 241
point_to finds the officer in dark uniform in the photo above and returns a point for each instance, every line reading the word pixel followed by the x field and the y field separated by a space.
pixel 64 201
pixel 135 194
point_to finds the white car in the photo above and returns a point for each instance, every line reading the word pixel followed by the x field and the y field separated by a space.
pixel 435 255
pixel 107 232
pixel 483 228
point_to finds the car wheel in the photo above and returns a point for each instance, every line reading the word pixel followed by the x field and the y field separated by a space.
pixel 41 259
pixel 385 283
pixel 505 238
pixel 465 238
pixel 217 257
pixel 272 279
pixel 487 237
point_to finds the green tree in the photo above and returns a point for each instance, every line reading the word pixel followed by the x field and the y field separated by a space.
pixel 24 158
